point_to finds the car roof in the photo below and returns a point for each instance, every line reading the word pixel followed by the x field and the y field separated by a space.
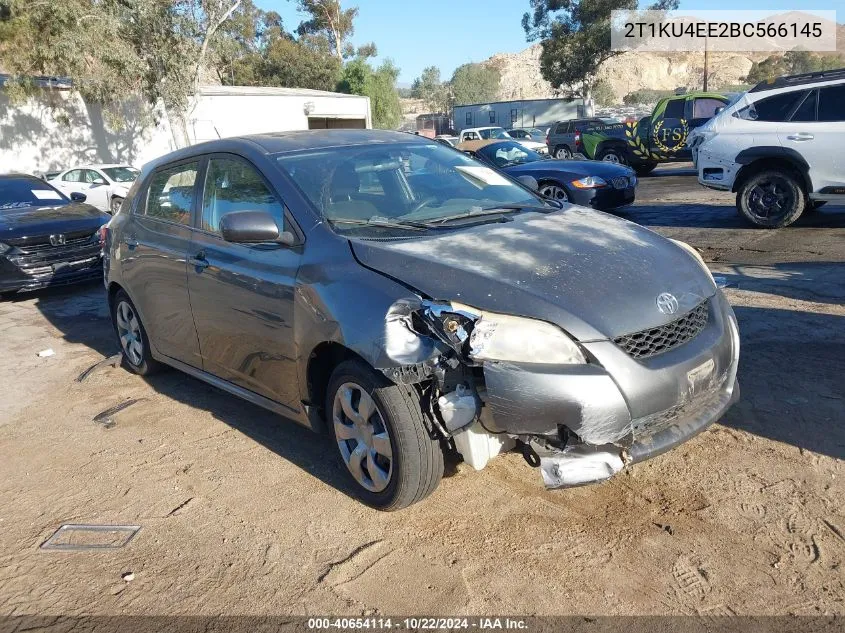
pixel 283 142
pixel 102 166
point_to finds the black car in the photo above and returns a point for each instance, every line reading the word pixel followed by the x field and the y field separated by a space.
pixel 590 183
pixel 46 238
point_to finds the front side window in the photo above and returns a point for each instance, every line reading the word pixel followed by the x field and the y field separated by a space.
pixel 418 182
pixel 508 154
pixel 832 103
pixel 92 177
pixel 773 109
pixel 234 185
pixel 171 193
pixel 806 112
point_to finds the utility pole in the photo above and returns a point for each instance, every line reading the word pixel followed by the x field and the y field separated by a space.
pixel 706 63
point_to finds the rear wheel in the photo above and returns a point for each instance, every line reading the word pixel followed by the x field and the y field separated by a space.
pixel 771 199
pixel 132 336
pixel 643 169
pixel 563 152
pixel 612 155
pixel 554 191
pixel 381 437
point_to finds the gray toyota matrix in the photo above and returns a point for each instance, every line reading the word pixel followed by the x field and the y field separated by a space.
pixel 408 300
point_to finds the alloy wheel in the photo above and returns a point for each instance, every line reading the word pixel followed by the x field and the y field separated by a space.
pixel 362 437
pixel 129 332
pixel 563 153
pixel 771 198
pixel 555 192
pixel 611 158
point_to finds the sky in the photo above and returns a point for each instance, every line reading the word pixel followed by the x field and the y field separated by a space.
pixel 448 33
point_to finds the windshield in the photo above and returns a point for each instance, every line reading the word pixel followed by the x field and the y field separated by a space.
pixel 508 153
pixel 121 174
pixel 493 132
pixel 22 193
pixel 399 183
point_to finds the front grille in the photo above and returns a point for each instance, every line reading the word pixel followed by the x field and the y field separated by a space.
pixel 620 182
pixel 654 341
pixel 36 257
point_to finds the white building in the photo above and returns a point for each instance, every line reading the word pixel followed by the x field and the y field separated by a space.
pixel 57 129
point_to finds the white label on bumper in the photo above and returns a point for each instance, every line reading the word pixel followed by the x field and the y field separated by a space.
pixel 699 379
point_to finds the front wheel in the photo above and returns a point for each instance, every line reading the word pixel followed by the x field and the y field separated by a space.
pixel 381 437
pixel 771 199
pixel 563 152
pixel 612 155
pixel 132 336
pixel 553 191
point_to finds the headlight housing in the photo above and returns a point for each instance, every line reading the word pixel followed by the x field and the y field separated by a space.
pixel 589 182
pixel 502 337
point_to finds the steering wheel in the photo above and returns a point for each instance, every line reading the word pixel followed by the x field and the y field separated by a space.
pixel 421 204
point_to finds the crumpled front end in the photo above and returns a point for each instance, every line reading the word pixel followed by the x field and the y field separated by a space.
pixel 613 403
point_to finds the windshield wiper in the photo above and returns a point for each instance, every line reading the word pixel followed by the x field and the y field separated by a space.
pixel 407 225
pixel 479 212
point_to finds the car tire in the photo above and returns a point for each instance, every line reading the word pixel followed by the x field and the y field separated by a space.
pixel 132 337
pixel 114 207
pixel 563 152
pixel 392 441
pixel 612 155
pixel 553 190
pixel 643 169
pixel 771 198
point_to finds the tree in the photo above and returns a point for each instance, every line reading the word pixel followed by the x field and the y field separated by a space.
pixel 474 83
pixel 603 93
pixel 288 63
pixel 792 63
pixel 428 87
pixel 575 36
pixel 359 78
pixel 335 24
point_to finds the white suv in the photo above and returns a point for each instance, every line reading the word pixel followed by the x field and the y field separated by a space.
pixel 779 146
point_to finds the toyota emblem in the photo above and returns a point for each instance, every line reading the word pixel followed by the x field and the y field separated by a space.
pixel 667 303
pixel 57 240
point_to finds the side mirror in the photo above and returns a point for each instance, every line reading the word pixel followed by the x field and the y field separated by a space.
pixel 530 182
pixel 253 227
pixel 99 181
pixel 78 196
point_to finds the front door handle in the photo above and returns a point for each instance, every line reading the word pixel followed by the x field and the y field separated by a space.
pixel 199 261
pixel 801 136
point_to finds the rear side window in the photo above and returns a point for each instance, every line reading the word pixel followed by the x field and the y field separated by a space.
pixel 73 176
pixel 705 108
pixel 171 193
pixel 832 103
pixel 674 109
pixel 563 128
pixel 234 185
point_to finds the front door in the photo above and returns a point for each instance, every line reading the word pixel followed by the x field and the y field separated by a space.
pixel 153 260
pixel 242 294
pixel 669 129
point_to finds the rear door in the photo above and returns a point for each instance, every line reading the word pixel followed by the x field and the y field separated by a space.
pixel 153 254
pixel 73 182
pixel 242 294
pixel 816 130
pixel 98 189
pixel 669 127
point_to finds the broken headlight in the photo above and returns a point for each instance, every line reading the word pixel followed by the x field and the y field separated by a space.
pixel 517 339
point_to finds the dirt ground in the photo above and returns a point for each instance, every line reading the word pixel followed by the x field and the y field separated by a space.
pixel 244 513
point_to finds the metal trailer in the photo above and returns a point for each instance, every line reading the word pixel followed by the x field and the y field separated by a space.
pixel 540 113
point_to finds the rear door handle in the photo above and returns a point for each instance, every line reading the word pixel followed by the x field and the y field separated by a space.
pixel 199 261
pixel 801 136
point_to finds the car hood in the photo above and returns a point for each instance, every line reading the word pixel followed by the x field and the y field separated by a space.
pixel 578 168
pixel 594 275
pixel 31 221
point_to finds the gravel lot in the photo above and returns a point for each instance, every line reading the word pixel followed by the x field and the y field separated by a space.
pixel 244 513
